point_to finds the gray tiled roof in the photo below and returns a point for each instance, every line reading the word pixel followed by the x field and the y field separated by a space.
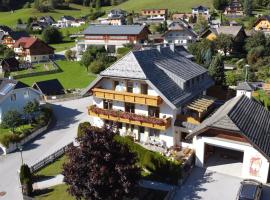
pixel 245 116
pixel 163 69
pixel 113 30
pixel 245 86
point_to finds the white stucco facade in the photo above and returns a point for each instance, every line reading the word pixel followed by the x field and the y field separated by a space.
pixel 17 99
pixel 164 112
pixel 255 165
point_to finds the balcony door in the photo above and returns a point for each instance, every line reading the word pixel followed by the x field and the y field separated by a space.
pixel 130 86
pixel 153 111
pixel 130 107
pixel 144 88
pixel 107 104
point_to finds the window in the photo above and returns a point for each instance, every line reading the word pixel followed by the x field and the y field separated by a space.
pixel 130 107
pixel 154 132
pixel 13 97
pixel 129 127
pixel 115 84
pixel 107 104
pixel 153 111
pixel 119 125
pixel 141 129
pixel 144 88
pixel 129 86
pixel 26 94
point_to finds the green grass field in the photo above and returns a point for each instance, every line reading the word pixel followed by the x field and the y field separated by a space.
pixel 73 76
pixel 10 19
pixel 58 192
pixel 172 5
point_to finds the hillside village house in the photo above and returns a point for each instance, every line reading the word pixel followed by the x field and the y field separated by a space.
pixel 263 24
pixel 14 95
pixel 146 92
pixel 10 39
pixel 155 14
pixel 115 20
pixel 179 33
pixel 200 11
pixel 112 37
pixel 117 13
pixel 237 32
pixel 234 9
pixel 235 140
pixel 32 49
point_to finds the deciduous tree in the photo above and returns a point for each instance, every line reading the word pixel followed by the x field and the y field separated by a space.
pixel 100 168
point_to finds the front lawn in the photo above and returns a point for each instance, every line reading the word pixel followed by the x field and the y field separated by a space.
pixel 53 169
pixel 65 45
pixel 58 192
pixel 73 75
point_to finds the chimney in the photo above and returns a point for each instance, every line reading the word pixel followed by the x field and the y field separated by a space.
pixel 172 47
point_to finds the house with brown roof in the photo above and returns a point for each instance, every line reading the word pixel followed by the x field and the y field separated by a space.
pixel 32 49
pixel 10 38
pixel 155 14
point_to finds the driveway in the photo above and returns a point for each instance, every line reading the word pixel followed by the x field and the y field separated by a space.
pixel 204 184
pixel 68 114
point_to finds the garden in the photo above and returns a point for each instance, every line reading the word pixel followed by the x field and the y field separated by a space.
pixel 152 166
pixel 16 126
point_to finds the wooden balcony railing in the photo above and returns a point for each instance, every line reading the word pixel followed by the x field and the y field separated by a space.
pixel 130 118
pixel 127 97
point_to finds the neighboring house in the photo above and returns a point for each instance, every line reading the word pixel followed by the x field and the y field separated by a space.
pixel 234 8
pixel 117 13
pixel 38 26
pixel 47 19
pixel 65 21
pixel 200 11
pixel 49 88
pixel 237 32
pixel 9 65
pixel 263 24
pixel 112 37
pixel 182 16
pixel 5 29
pixel 32 49
pixel 14 95
pixel 155 14
pixel 180 33
pixel 115 20
pixel 145 92
pixel 78 22
pixel 235 140
pixel 244 88
pixel 10 39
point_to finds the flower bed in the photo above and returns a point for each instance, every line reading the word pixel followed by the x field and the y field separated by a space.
pixel 130 116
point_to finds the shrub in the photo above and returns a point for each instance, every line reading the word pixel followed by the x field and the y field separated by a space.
pixel 160 167
pixel 27 187
pixel 97 66
pixel 82 128
pixel 9 138
pixel 25 173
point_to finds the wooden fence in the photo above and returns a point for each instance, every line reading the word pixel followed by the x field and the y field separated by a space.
pixel 49 159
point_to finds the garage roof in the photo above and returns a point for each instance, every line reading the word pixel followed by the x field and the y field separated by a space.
pixel 243 115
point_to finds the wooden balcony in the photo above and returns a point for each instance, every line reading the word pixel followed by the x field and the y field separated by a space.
pixel 127 97
pixel 130 118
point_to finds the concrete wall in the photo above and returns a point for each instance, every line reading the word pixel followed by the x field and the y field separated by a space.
pixel 255 165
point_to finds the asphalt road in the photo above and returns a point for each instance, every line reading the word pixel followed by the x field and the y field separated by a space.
pixel 68 115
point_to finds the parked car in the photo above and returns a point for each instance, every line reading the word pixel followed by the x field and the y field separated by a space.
pixel 250 190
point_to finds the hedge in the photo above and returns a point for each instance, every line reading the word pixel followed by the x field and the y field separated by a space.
pixel 160 168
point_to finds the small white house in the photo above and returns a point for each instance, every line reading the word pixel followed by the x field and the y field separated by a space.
pixel 14 95
pixel 244 88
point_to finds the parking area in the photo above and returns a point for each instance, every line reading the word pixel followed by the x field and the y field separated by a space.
pixel 204 184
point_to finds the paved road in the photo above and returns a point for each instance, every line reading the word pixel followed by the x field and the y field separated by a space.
pixel 68 114
pixel 204 184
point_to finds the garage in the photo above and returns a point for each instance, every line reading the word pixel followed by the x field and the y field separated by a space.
pixel 223 160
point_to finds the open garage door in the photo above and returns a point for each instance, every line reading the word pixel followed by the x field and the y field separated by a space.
pixel 222 160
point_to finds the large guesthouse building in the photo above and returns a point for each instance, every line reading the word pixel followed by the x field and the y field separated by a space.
pixel 146 93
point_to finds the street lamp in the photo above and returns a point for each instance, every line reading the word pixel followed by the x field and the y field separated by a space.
pixel 246 76
pixel 20 147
